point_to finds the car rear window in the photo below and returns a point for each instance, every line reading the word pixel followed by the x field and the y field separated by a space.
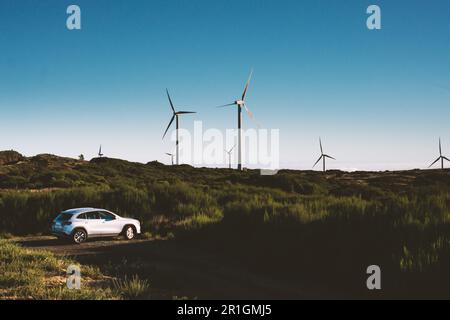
pixel 64 217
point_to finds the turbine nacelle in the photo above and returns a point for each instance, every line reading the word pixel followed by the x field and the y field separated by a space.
pixel 240 103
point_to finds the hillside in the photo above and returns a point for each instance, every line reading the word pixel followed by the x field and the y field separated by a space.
pixel 309 227
pixel 48 171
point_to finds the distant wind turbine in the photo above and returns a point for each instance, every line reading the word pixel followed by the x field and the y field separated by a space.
pixel 241 103
pixel 100 154
pixel 175 115
pixel 229 155
pixel 323 156
pixel 441 157
pixel 171 155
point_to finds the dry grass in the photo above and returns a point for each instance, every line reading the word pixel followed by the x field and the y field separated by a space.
pixel 37 274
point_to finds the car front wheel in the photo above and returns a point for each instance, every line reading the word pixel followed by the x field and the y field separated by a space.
pixel 129 233
pixel 79 236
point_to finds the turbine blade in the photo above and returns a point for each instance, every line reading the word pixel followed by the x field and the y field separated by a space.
pixel 231 150
pixel 170 123
pixel 320 142
pixel 227 105
pixel 446 158
pixel 250 114
pixel 247 85
pixel 440 148
pixel 170 101
pixel 325 155
pixel 185 112
pixel 442 87
pixel 320 158
pixel 434 162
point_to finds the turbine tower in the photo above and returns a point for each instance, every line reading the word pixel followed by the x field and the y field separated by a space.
pixel 171 155
pixel 100 154
pixel 175 116
pixel 441 157
pixel 323 156
pixel 241 104
pixel 229 156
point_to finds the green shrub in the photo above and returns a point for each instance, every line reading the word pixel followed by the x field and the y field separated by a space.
pixel 134 288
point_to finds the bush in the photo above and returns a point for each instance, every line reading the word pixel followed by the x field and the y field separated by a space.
pixel 133 288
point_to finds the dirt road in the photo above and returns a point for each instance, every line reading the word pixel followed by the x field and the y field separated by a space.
pixel 173 268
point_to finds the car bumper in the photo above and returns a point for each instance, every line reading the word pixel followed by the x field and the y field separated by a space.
pixel 60 232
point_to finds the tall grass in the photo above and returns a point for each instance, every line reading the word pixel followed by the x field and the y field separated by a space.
pixel 38 274
pixel 316 238
pixel 134 288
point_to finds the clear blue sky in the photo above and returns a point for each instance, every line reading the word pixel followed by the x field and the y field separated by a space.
pixel 379 99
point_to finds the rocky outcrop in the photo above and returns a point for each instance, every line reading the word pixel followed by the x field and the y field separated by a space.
pixel 10 157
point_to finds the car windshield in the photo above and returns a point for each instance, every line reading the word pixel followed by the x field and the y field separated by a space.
pixel 64 217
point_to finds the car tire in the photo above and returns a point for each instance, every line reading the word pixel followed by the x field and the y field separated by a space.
pixel 79 236
pixel 129 232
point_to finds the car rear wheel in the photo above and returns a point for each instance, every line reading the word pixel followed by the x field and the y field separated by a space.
pixel 129 233
pixel 79 236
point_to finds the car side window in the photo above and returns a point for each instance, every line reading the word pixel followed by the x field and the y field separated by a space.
pixel 107 216
pixel 82 216
pixel 93 215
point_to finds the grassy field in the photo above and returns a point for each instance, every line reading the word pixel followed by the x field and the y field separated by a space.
pixel 308 227
pixel 39 275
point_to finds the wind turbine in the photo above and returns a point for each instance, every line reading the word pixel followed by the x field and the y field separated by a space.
pixel 175 115
pixel 441 157
pixel 323 156
pixel 229 155
pixel 171 156
pixel 100 154
pixel 241 103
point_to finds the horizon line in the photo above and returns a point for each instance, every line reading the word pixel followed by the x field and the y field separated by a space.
pixel 225 165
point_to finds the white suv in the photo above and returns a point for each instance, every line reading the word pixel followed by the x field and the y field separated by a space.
pixel 81 224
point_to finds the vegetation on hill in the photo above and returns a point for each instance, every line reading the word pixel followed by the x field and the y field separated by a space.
pixel 310 227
